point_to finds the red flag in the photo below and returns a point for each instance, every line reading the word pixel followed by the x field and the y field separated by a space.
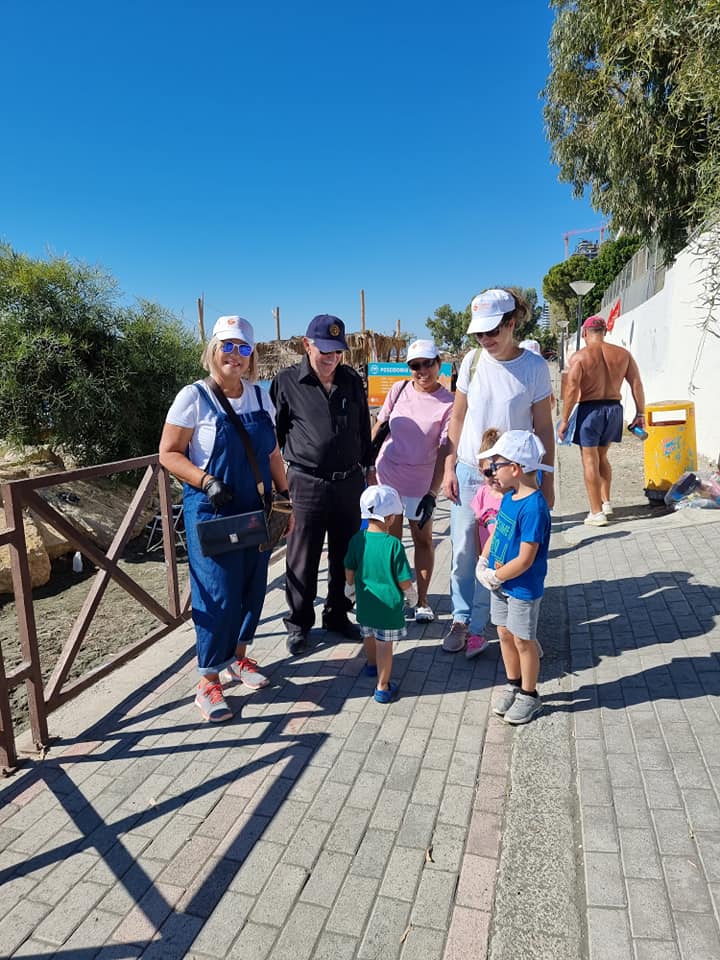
pixel 614 314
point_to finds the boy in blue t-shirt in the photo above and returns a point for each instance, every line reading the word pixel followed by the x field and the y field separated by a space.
pixel 513 566
pixel 379 580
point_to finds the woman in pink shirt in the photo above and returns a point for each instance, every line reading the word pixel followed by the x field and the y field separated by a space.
pixel 412 458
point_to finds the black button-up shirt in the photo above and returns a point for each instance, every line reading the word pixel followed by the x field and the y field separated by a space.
pixel 324 431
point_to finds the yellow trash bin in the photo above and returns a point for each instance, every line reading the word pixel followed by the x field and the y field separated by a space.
pixel 670 448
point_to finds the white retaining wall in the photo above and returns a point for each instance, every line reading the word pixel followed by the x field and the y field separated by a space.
pixel 664 335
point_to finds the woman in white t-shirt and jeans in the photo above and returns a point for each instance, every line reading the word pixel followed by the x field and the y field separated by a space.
pixel 413 457
pixel 508 389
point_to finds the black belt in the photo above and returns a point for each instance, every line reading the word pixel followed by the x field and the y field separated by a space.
pixel 337 475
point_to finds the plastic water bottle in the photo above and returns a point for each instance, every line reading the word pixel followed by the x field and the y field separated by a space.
pixel 77 563
pixel 639 432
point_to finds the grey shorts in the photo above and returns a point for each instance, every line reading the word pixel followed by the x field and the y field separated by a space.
pixel 520 617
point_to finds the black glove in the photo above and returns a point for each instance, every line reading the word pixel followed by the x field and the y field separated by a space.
pixel 425 509
pixel 217 492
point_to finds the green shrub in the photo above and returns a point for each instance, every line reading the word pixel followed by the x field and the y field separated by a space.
pixel 79 371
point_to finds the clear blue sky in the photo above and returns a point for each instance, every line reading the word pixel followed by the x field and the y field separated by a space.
pixel 288 155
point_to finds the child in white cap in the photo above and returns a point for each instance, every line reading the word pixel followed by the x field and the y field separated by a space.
pixel 380 582
pixel 513 566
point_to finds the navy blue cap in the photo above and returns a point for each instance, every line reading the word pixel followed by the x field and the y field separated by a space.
pixel 327 333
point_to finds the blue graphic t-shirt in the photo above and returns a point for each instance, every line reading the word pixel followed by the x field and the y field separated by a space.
pixel 522 521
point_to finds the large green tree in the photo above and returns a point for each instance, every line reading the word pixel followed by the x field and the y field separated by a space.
pixel 556 285
pixel 77 369
pixel 633 110
pixel 611 258
pixel 449 327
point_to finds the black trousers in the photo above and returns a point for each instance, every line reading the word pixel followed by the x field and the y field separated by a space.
pixel 320 507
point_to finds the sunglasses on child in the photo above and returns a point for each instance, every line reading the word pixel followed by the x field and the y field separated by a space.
pixel 244 349
pixel 416 365
pixel 495 466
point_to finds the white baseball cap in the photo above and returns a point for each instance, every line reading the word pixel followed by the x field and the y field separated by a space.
pixel 380 501
pixel 422 349
pixel 521 447
pixel 532 345
pixel 488 309
pixel 234 328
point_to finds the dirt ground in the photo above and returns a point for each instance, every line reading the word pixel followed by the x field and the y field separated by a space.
pixel 119 620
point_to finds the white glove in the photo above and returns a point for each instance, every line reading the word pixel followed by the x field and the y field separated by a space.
pixel 488 579
pixel 481 565
pixel 411 596
pixel 350 591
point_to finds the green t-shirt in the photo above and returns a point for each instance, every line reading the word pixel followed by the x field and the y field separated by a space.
pixel 380 562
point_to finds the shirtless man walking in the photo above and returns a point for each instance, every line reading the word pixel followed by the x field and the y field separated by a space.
pixel 594 379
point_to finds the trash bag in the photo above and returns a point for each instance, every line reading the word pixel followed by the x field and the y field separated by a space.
pixel 699 489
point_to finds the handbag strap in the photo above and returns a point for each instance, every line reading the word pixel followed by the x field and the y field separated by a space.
pixel 405 383
pixel 214 387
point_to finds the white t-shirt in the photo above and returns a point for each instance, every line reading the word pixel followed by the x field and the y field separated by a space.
pixel 501 395
pixel 188 410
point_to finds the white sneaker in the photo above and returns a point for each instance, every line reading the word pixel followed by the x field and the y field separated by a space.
pixel 596 520
pixel 607 508
pixel 424 615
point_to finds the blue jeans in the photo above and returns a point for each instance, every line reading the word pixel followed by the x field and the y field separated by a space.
pixel 470 600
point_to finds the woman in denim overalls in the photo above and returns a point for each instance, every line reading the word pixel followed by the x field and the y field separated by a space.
pixel 201 446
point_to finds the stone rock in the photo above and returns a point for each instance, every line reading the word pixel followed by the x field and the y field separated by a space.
pixel 95 508
pixel 38 558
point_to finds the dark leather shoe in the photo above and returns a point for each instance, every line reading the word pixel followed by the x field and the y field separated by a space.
pixel 296 642
pixel 342 626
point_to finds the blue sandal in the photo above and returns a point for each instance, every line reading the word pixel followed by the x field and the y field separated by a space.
pixel 385 696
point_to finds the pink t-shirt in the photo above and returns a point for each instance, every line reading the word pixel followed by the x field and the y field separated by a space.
pixel 485 505
pixel 418 427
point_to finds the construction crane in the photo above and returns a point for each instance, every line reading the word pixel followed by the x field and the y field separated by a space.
pixel 571 233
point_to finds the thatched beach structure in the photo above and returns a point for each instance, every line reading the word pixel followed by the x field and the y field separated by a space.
pixel 365 348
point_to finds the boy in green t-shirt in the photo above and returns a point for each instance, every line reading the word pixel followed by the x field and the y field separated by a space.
pixel 378 575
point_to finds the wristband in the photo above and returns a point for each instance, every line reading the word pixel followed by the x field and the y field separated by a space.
pixel 203 478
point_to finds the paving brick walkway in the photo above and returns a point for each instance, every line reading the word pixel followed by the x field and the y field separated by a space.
pixel 319 824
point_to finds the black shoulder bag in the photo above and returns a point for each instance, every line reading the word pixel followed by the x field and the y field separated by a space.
pixel 384 429
pixel 257 528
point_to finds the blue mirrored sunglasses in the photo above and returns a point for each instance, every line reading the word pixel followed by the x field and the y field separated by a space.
pixel 244 349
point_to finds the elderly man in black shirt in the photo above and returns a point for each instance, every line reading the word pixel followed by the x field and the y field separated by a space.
pixel 323 428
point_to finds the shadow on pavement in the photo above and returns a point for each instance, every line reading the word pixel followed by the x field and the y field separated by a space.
pixel 234 778
pixel 647 615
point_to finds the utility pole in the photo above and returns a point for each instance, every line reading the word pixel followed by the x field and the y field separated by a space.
pixel 362 311
pixel 201 316
pixel 276 314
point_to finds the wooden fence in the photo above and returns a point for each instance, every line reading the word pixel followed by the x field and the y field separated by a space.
pixel 43 699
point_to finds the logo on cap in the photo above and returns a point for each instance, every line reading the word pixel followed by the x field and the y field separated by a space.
pixel 231 321
pixel 334 330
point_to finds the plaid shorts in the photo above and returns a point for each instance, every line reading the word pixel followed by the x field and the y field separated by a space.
pixel 384 636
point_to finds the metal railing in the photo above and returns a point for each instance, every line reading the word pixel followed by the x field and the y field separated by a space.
pixel 19 495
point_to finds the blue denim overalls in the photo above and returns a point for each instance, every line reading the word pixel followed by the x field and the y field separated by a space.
pixel 228 590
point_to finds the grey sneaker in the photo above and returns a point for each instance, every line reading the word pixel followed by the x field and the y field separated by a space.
pixel 505 699
pixel 523 709
pixel 455 640
pixel 211 703
pixel 244 671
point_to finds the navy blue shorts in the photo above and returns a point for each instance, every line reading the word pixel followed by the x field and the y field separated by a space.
pixel 599 423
